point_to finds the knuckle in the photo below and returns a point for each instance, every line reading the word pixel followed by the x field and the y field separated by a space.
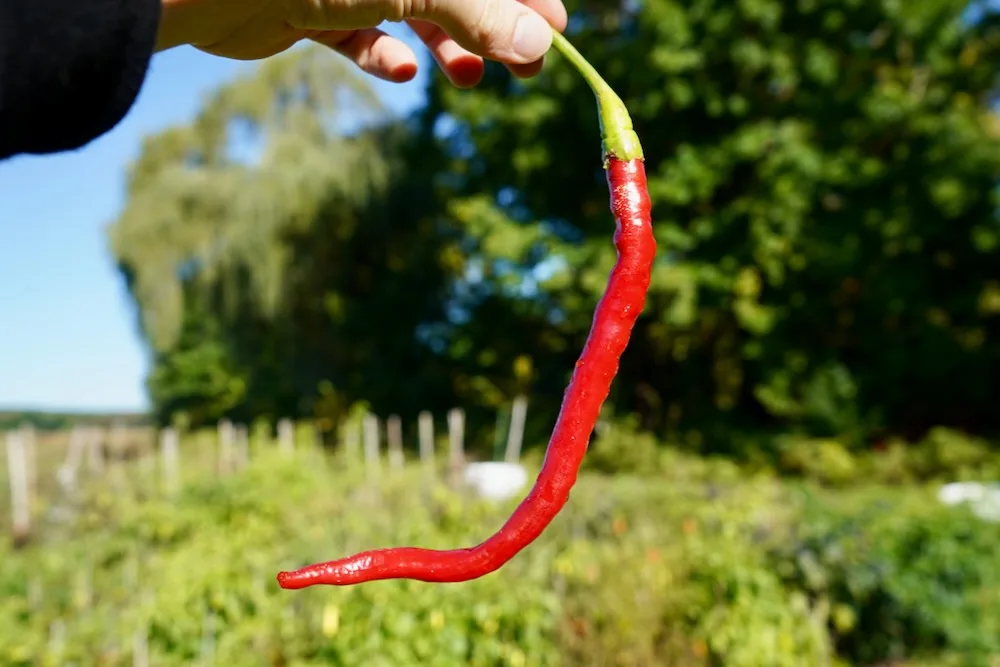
pixel 489 29
pixel 395 10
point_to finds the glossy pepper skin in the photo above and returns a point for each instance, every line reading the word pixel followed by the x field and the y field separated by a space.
pixel 614 319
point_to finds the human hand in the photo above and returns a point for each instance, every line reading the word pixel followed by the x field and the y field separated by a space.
pixel 459 33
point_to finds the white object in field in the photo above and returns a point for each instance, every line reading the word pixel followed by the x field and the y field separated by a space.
pixel 984 499
pixel 496 480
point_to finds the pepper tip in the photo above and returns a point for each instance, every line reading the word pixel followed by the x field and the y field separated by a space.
pixel 291 580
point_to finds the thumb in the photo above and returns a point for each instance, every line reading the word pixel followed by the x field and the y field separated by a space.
pixel 502 30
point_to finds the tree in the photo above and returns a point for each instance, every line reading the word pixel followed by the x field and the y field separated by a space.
pixel 276 259
pixel 824 182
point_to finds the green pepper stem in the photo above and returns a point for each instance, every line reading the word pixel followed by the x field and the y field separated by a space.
pixel 620 141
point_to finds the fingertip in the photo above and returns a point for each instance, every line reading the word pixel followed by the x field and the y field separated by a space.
pixel 465 71
pixel 403 72
pixel 528 70
pixel 554 12
pixel 463 68
pixel 374 51
pixel 532 37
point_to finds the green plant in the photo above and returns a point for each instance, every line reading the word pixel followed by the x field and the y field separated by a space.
pixel 946 452
pixel 825 460
pixel 698 565
pixel 619 446
pixel 894 464
pixel 903 578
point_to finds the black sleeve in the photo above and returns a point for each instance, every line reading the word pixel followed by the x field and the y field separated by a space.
pixel 70 69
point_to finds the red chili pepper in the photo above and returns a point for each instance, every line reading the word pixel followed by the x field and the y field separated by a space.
pixel 588 388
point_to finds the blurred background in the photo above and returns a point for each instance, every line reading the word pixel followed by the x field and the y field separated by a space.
pixel 284 313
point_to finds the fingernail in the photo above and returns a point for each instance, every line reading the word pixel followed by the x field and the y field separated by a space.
pixel 532 36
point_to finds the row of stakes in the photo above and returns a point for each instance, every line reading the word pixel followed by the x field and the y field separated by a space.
pixel 88 447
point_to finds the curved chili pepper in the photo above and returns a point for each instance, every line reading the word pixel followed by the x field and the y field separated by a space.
pixel 588 388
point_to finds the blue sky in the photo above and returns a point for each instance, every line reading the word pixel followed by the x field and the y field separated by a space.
pixel 67 333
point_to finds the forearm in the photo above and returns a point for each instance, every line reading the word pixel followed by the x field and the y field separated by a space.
pixel 70 69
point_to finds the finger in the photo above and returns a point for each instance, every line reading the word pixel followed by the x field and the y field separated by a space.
pixel 374 51
pixel 504 30
pixel 526 71
pixel 463 69
pixel 553 11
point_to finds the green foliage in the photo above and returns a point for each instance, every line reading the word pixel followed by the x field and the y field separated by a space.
pixel 943 455
pixel 892 465
pixel 205 214
pixel 700 566
pixel 823 178
pixel 827 461
pixel 281 266
pixel 900 577
pixel 619 446
pixel 681 581
pixel 196 382
pixel 198 575
pixel 946 452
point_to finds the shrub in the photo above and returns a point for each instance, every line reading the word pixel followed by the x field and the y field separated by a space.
pixel 903 578
pixel 700 566
pixel 619 446
pixel 894 464
pixel 949 453
pixel 824 460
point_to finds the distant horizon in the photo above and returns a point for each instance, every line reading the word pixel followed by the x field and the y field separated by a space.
pixel 80 410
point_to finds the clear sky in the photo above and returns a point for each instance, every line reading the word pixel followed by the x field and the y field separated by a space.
pixel 67 333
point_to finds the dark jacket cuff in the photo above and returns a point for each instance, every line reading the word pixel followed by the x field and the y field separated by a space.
pixel 70 69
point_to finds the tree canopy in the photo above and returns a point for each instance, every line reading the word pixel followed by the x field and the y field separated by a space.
pixel 823 175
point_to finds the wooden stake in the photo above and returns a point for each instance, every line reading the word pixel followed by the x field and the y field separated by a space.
pixel 425 426
pixel 30 462
pixel 394 436
pixel 207 651
pixel 70 468
pixel 225 437
pixel 456 442
pixel 20 503
pixel 371 446
pixel 241 446
pixel 57 637
pixel 170 451
pixel 286 436
pixel 515 437
pixel 140 646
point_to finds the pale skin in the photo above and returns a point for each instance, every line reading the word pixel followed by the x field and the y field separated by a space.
pixel 459 33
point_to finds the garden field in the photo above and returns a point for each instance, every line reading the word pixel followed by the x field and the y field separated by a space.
pixel 694 562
